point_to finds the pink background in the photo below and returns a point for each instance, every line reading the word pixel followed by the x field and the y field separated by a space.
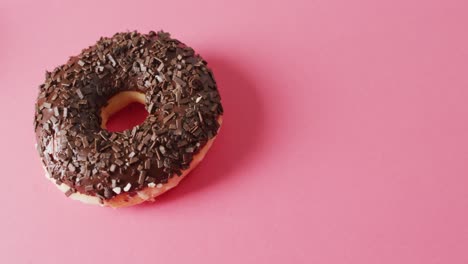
pixel 345 136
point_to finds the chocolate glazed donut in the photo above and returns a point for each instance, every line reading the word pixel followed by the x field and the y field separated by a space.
pixel 117 169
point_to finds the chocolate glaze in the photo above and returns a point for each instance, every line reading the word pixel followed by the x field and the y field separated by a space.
pixel 181 98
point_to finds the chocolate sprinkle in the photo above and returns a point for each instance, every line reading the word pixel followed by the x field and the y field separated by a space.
pixel 141 178
pixel 69 192
pixel 181 98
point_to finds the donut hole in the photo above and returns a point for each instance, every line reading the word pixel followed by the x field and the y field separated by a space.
pixel 123 111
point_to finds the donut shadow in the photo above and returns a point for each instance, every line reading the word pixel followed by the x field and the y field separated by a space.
pixel 238 139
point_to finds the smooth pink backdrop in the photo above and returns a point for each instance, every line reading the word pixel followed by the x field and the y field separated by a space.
pixel 345 136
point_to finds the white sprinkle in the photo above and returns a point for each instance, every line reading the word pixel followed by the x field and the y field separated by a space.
pixel 159 185
pixel 117 190
pixel 127 187
pixel 111 60
pixel 160 67
pixel 151 184
pixel 198 99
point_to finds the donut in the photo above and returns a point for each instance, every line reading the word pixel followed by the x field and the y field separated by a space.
pixel 117 169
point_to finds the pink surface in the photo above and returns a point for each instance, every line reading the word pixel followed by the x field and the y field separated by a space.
pixel 345 136
pixel 126 118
